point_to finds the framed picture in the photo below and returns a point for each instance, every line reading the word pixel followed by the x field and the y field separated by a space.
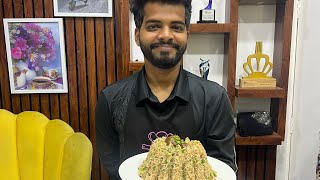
pixel 83 8
pixel 36 55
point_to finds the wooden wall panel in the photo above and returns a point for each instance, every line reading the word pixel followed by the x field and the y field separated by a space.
pixel 5 90
pixel 256 162
pixel 6 98
pixel 110 39
pixel 91 66
pixel 260 162
pixel 92 85
pixel 72 72
pixel 251 156
pixel 0 94
pixel 122 36
pixel 241 162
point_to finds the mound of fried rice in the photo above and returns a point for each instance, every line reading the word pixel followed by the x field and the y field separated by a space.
pixel 172 158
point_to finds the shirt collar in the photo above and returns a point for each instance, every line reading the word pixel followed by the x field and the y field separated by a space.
pixel 181 89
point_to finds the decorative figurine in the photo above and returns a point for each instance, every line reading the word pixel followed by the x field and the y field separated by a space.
pixel 257 76
pixel 204 68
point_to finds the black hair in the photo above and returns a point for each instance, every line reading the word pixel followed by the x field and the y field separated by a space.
pixel 137 8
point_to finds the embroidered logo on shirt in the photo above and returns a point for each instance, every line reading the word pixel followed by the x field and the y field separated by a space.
pixel 153 136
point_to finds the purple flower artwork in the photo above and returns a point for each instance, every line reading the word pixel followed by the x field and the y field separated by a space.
pixel 36 58
pixel 32 43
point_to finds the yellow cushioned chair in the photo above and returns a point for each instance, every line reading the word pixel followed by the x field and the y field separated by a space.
pixel 32 147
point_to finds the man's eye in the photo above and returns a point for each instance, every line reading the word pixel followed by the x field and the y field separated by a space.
pixel 153 27
pixel 178 28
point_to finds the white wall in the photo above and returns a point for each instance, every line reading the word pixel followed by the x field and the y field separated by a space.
pixel 302 143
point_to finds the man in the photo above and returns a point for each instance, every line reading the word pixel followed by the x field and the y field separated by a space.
pixel 162 98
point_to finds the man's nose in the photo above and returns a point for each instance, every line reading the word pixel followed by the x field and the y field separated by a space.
pixel 165 34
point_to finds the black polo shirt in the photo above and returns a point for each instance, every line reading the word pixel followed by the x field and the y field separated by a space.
pixel 129 116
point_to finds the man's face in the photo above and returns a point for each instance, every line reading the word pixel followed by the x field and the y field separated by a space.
pixel 163 34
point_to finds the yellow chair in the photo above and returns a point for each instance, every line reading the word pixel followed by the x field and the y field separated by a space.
pixel 32 147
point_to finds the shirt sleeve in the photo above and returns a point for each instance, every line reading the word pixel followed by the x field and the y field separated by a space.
pixel 107 138
pixel 221 132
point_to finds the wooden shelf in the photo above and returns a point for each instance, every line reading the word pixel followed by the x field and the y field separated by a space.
pixel 210 28
pixel 274 139
pixel 260 2
pixel 276 92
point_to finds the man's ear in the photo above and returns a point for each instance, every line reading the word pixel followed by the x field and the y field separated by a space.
pixel 136 36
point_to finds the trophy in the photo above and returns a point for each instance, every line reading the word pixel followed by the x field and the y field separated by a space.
pixel 208 15
pixel 257 75
pixel 204 68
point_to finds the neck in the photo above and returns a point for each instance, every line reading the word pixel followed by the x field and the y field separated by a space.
pixel 161 81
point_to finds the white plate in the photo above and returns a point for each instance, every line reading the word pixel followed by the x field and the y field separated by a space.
pixel 129 168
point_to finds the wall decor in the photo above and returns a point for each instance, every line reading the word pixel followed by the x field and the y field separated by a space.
pixel 257 67
pixel 83 8
pixel 36 55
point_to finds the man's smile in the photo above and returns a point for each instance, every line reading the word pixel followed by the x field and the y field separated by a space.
pixel 164 47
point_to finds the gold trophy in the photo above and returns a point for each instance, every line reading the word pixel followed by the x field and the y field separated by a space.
pixel 257 76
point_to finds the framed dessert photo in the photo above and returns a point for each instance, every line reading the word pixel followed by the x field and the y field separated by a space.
pixel 83 8
pixel 36 55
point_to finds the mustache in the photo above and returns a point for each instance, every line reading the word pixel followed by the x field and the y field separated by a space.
pixel 161 43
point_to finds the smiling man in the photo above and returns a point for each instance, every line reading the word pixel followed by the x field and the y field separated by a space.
pixel 162 98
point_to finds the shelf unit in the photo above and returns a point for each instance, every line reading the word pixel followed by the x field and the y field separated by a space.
pixel 276 92
pixel 211 28
pixel 278 95
pixel 273 139
pixel 260 2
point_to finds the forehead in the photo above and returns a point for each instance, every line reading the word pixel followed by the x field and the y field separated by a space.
pixel 164 12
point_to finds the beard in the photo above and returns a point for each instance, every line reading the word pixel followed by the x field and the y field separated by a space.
pixel 164 60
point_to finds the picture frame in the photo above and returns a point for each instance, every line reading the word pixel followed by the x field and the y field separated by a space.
pixel 36 55
pixel 83 8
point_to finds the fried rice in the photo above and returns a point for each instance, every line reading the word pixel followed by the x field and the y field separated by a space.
pixel 172 158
